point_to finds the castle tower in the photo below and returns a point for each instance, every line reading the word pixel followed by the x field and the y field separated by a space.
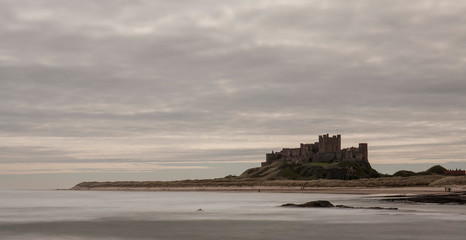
pixel 329 144
pixel 321 143
pixel 363 151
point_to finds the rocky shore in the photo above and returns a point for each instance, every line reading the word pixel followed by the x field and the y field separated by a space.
pixel 327 204
pixel 452 198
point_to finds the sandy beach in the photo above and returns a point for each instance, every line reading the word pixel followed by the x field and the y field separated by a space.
pixel 285 189
pixel 430 184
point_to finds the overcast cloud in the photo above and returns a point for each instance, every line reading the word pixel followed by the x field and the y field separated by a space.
pixel 211 82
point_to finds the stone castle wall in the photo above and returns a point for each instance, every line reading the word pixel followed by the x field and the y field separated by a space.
pixel 328 149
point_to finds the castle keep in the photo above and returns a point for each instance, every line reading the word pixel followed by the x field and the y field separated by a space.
pixel 328 149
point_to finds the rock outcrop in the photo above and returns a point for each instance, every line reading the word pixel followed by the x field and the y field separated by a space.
pixel 458 198
pixel 327 204
pixel 313 204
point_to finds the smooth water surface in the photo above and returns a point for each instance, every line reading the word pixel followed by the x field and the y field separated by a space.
pixel 218 215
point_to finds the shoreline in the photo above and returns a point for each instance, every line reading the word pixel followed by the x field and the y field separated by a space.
pixel 292 189
pixel 427 184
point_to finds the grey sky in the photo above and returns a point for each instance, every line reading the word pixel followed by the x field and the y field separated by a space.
pixel 140 86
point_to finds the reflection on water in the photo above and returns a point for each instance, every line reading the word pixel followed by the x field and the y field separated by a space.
pixel 174 215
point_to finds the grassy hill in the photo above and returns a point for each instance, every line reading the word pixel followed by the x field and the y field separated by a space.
pixel 344 170
pixel 437 169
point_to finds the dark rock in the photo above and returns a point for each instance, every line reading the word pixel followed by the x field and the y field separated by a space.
pixel 290 205
pixel 327 204
pixel 379 208
pixel 343 206
pixel 440 199
pixel 374 208
pixel 313 204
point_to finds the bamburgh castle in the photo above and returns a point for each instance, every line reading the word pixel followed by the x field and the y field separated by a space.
pixel 328 149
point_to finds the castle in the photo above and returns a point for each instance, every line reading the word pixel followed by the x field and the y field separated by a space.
pixel 328 149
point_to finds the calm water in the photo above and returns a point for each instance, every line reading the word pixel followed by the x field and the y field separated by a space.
pixel 174 215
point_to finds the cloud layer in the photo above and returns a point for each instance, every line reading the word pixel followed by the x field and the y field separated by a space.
pixel 164 81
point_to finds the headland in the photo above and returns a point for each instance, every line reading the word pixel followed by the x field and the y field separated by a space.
pixel 320 167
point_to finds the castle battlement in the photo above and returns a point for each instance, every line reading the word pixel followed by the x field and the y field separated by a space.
pixel 327 149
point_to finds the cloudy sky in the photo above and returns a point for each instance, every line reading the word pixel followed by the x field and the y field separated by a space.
pixel 159 90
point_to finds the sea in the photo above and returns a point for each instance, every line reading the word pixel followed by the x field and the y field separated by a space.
pixel 55 214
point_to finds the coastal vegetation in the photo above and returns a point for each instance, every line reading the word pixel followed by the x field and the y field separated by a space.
pixel 437 169
pixel 344 170
pixel 346 173
pixel 431 180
